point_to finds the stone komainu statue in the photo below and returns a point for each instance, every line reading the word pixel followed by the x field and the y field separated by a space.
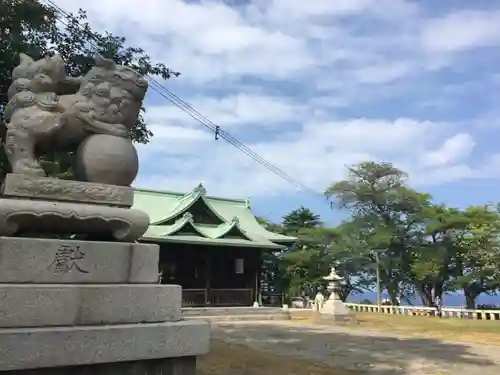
pixel 39 117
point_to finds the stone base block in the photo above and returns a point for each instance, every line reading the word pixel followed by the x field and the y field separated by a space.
pixel 33 348
pixel 335 311
pixel 18 216
pixel 167 366
pixel 40 261
pixel 52 189
pixel 334 319
pixel 28 305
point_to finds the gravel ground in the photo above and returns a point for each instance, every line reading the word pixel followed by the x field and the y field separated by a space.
pixel 367 352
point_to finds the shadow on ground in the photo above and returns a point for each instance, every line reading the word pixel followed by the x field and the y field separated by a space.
pixel 363 352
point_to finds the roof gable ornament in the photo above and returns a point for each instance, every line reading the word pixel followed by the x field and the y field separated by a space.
pixel 235 220
pixel 247 203
pixel 185 225
pixel 200 190
pixel 188 216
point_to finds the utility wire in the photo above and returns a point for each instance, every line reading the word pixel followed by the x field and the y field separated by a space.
pixel 187 108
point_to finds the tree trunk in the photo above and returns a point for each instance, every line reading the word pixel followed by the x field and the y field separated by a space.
pixel 426 299
pixel 343 294
pixel 425 292
pixel 391 286
pixel 438 291
pixel 393 294
pixel 470 299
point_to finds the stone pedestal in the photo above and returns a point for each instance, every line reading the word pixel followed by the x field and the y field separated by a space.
pixel 93 305
pixel 86 307
pixel 164 366
pixel 90 305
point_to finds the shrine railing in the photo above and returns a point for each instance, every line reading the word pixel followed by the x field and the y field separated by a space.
pixel 447 312
pixel 231 297
pixel 217 297
pixel 193 297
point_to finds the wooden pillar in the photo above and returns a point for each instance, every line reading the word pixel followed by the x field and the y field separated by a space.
pixel 208 274
pixel 258 268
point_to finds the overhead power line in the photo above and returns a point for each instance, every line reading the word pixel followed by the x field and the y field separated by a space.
pixel 218 132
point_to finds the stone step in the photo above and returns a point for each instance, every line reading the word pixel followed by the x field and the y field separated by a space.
pixel 219 311
pixel 38 305
pixel 250 317
pixel 221 314
pixel 30 348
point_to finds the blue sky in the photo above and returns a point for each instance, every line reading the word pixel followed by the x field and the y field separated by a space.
pixel 315 85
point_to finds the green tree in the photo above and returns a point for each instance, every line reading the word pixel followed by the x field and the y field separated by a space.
pixel 388 212
pixel 302 266
pixel 272 273
pixel 25 26
pixel 353 259
pixel 31 27
pixel 433 257
pixel 305 266
pixel 319 248
pixel 299 219
pixel 477 261
pixel 461 251
pixel 422 246
pixel 272 227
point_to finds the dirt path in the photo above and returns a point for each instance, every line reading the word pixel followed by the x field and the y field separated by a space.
pixel 367 352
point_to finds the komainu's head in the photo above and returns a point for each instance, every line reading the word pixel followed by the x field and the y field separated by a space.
pixel 131 81
pixel 127 87
pixel 125 78
pixel 51 66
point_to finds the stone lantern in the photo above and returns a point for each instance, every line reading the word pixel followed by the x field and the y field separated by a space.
pixel 334 284
pixel 334 309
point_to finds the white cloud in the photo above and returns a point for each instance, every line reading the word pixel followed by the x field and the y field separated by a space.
pixel 443 175
pixel 321 7
pixel 263 111
pixel 385 9
pixel 316 155
pixel 383 73
pixel 309 85
pixel 210 41
pixel 462 30
pixel 206 40
pixel 453 149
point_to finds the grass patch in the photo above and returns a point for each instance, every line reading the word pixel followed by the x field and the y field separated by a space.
pixel 233 359
pixel 479 331
pixel 468 330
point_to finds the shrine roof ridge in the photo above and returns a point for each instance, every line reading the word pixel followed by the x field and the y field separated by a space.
pixel 180 194
pixel 169 213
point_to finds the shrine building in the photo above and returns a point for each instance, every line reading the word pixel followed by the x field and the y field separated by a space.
pixel 210 246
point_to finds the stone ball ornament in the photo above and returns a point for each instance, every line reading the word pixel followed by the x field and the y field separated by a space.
pixel 106 159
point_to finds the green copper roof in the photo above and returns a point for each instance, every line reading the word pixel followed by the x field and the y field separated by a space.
pixel 172 220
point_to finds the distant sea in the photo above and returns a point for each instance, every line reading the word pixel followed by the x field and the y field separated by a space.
pixel 455 299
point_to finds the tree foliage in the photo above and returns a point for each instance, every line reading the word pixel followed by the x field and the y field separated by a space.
pixel 386 211
pixel 301 268
pixel 299 219
pixel 420 247
pixel 423 247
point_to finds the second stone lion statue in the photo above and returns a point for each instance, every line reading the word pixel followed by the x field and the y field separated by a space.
pixel 106 100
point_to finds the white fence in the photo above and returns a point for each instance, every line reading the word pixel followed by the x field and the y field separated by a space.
pixel 446 312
